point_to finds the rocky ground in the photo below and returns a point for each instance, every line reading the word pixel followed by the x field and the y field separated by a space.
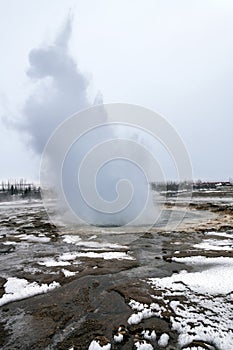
pixel 95 288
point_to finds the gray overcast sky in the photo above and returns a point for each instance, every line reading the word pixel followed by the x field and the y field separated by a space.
pixel 173 56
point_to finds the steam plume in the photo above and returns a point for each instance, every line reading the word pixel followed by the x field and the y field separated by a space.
pixel 61 89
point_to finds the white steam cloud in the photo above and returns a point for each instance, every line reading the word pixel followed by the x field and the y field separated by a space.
pixel 113 188
pixel 61 89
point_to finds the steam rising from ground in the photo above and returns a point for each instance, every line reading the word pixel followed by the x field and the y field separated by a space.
pixel 60 91
pixel 96 181
pixel 101 177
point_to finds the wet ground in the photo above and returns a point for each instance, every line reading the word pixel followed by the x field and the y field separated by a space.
pixel 63 288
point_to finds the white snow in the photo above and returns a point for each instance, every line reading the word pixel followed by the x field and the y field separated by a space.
pixel 135 305
pixel 9 243
pixel 220 234
pixel 68 273
pixel 194 348
pixel 149 335
pixel 118 338
pixel 32 270
pixel 92 237
pixel 96 346
pixel 206 311
pixel 49 262
pixel 143 345
pixel 135 318
pixel 215 244
pixel 17 289
pixel 206 281
pixel 106 255
pixel 71 239
pixel 68 256
pixel 34 239
pixel 90 244
pixel 143 311
pixel 62 260
pixel 163 340
pixel 141 315
pixel 96 249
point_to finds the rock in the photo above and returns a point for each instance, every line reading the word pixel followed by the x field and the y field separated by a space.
pixel 6 248
pixel 147 235
pixel 2 282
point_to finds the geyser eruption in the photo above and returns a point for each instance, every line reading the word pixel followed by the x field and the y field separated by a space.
pixel 113 194
pixel 97 165
pixel 100 176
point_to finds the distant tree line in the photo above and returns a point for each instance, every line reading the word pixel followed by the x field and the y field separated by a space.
pixel 175 186
pixel 19 188
pixel 171 186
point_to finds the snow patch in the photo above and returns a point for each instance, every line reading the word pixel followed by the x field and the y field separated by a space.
pixel 49 262
pixel 96 346
pixel 71 239
pixel 206 281
pixel 205 312
pixel 143 345
pixel 92 244
pixel 34 239
pixel 215 244
pixel 143 311
pixel 68 256
pixel 68 273
pixel 163 340
pixel 220 234
pixel 118 338
pixel 149 335
pixel 106 255
pixel 17 289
